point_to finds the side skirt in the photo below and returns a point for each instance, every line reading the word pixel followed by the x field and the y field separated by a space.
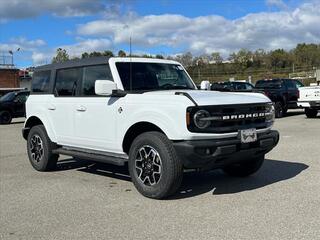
pixel 98 156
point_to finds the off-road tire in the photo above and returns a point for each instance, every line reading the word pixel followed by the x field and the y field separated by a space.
pixel 244 169
pixel 48 160
pixel 171 166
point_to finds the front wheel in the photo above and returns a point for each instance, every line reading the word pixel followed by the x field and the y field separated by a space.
pixel 154 166
pixel 244 169
pixel 40 148
pixel 311 113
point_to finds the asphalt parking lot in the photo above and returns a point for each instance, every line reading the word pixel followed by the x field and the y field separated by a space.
pixel 84 200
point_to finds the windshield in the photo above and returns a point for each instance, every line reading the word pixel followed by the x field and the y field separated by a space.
pixel 269 84
pixel 7 97
pixel 153 76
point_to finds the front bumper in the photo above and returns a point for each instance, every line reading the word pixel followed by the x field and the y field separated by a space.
pixel 211 153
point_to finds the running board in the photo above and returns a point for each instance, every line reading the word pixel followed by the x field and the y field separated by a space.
pixel 98 156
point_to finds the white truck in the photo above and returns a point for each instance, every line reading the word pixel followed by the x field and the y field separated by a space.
pixel 309 99
pixel 147 114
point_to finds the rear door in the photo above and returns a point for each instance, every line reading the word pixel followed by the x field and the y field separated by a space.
pixel 60 106
pixel 95 116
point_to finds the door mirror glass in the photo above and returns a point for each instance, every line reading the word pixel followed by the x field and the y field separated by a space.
pixel 104 87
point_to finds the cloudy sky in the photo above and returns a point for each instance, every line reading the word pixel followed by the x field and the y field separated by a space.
pixel 166 27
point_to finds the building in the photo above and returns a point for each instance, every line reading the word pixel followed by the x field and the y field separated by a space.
pixel 9 78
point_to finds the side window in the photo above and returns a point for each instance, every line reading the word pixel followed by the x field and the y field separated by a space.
pixel 90 75
pixel 66 81
pixel 248 87
pixel 298 84
pixel 22 97
pixel 41 81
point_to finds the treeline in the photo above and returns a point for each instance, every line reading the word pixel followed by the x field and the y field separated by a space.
pixel 257 64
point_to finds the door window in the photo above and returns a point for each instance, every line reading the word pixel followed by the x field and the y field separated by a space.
pixel 21 98
pixel 90 75
pixel 66 81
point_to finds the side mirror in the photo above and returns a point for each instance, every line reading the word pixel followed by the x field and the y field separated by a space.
pixel 104 87
pixel 205 85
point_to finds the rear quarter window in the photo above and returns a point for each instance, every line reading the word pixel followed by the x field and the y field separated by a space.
pixel 41 81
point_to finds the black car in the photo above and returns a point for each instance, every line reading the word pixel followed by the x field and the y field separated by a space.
pixel 12 105
pixel 232 86
pixel 283 92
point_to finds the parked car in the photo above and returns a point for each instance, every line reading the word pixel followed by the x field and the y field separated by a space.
pixel 284 93
pixel 234 86
pixel 310 100
pixel 12 105
pixel 147 113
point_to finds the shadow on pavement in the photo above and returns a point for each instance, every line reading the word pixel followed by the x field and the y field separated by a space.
pixel 217 182
pixel 102 169
pixel 197 183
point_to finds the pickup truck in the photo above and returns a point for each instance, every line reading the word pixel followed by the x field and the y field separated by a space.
pixel 284 93
pixel 310 100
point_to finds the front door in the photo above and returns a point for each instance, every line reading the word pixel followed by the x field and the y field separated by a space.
pixel 95 116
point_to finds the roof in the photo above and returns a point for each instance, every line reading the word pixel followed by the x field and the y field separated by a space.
pixel 74 63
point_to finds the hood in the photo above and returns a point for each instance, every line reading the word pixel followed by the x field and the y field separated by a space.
pixel 203 98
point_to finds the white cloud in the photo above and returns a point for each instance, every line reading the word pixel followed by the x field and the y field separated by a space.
pixel 88 45
pixel 205 34
pixel 277 3
pixel 22 43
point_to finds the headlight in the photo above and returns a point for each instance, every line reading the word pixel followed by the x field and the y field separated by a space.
pixel 270 113
pixel 199 120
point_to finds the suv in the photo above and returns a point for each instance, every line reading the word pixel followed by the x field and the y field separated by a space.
pixel 283 92
pixel 147 113
pixel 12 105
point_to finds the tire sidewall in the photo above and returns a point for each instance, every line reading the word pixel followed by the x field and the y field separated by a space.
pixel 160 189
pixel 279 110
pixel 43 163
pixel 9 117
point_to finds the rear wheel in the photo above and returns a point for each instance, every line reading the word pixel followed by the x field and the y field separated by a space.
pixel 5 117
pixel 280 110
pixel 244 169
pixel 40 148
pixel 155 169
pixel 311 113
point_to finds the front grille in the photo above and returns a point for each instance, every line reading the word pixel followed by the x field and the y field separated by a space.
pixel 231 118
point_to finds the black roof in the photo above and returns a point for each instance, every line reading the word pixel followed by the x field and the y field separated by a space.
pixel 74 63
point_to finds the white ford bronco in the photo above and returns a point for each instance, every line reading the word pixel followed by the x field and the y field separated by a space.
pixel 309 99
pixel 146 113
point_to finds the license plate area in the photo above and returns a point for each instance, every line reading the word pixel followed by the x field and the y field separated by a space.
pixel 248 135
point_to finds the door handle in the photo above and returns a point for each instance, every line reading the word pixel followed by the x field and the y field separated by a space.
pixel 52 107
pixel 81 109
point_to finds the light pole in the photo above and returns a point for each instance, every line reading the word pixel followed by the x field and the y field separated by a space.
pixel 11 53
